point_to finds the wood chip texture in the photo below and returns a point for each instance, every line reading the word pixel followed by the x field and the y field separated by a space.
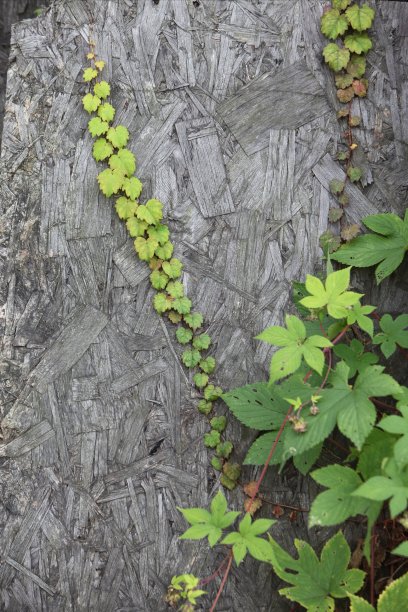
pixel 232 118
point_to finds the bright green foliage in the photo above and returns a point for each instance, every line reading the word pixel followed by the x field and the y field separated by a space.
pixel 118 136
pixel 387 247
pixel 145 248
pixel 90 103
pixel 126 208
pixel 333 24
pixel 106 112
pixel 124 161
pixel 152 213
pixel 200 380
pixel 259 450
pixel 159 281
pixel 161 302
pixel 355 357
pixel 211 393
pixel 165 251
pixel 360 18
pixel 333 294
pixel 184 335
pixel 160 233
pixel 101 149
pixel 358 604
pixel 340 4
pixel 395 596
pixel 208 365
pixel 102 89
pixel 219 423
pixel 358 314
pixel 358 43
pixel 132 187
pixel 110 181
pixel 212 439
pixel 295 346
pixel 191 359
pixel 173 269
pixel 97 127
pixel 176 290
pixel 398 425
pixel 394 332
pixel 247 539
pixel 184 587
pixel 208 524
pixel 224 449
pixel 193 320
pixel 402 551
pixel 354 173
pixel 356 66
pixel 393 485
pixel 202 342
pixel 336 57
pixel 317 583
pixel 337 504
pixel 182 305
pixel 204 407
pixel 135 227
pixel 89 74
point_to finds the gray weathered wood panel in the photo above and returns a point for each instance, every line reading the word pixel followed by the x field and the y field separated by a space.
pixel 101 438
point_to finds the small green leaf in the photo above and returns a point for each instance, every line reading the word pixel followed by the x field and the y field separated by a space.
pixel 333 24
pixel 176 290
pixel 200 380
pixel 343 80
pixel 97 127
pixel 329 242
pixel 350 231
pixel 126 208
pixel 354 173
pixel 208 365
pixel 211 393
pixel 184 335
pixel 191 359
pixel 102 89
pixel 354 121
pixel 204 407
pixel 193 320
pixel 212 439
pixel 335 214
pixel 145 248
pixel 224 449
pixel 132 187
pixel 159 281
pixel 360 18
pixel 173 269
pixel 110 181
pixel 355 357
pixel 340 4
pixel 394 332
pixel 118 136
pixel 106 112
pixel 358 314
pixel 232 470
pixel 401 550
pixel 161 302
pixel 336 187
pixel 152 213
pixel 89 74
pixel 358 43
pixel 90 103
pixel 135 227
pixel 219 423
pixel 101 149
pixel 182 305
pixel 202 342
pixel 123 161
pixel 247 539
pixel 336 57
pixel 216 463
pixel 345 95
pixel 159 232
pixel 165 251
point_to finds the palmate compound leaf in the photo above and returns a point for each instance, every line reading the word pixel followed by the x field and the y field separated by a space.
pixel 393 333
pixel 124 161
pixel 101 149
pixel 97 127
pixel 386 247
pixel 392 486
pixel 355 357
pixel 295 347
pixel 336 57
pixel 208 523
pixel 333 24
pixel 317 583
pixel 110 181
pixel 333 294
pixel 125 208
pixel 360 17
pixel 247 540
pixel 151 212
pixel 118 136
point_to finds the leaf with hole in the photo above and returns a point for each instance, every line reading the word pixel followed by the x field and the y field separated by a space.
pixel 161 302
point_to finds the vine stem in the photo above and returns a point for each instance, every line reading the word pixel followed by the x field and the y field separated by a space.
pixel 224 580
pixel 219 569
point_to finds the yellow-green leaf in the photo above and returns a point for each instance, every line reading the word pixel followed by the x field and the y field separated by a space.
pixel 126 208
pixel 89 74
pixel 336 57
pixel 360 18
pixel 110 181
pixel 106 112
pixel 102 89
pixel 118 136
pixel 90 103
pixel 124 161
pixel 101 149
pixel 333 24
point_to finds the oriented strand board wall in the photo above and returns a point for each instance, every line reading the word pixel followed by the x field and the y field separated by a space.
pixel 231 115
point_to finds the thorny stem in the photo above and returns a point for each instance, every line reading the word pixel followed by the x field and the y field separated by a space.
pixel 224 580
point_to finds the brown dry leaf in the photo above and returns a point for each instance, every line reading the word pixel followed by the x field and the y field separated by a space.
pixel 357 555
pixel 335 214
pixel 345 95
pixel 250 488
pixel 254 507
pixel 278 511
pixel 350 232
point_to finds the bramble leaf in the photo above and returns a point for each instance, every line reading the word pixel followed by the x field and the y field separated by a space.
pixel 247 539
pixel 333 295
pixel 101 149
pixel 102 89
pixel 356 66
pixel 132 187
pixel 336 57
pixel 126 208
pixel 360 18
pixel 394 597
pixel 260 449
pixel 145 248
pixel 398 425
pixel 358 43
pixel 193 320
pixel 118 136
pixel 159 281
pixel 135 227
pixel 316 583
pixel 89 74
pixel 258 406
pixel 173 269
pixel 106 112
pixel 110 181
pixel 387 249
pixel 123 161
pixel 358 604
pixel 97 127
pixel 394 332
pixel 152 213
pixel 355 357
pixel 333 24
pixel 90 103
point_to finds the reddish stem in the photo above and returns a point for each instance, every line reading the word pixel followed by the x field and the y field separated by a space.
pixel 224 580
pixel 219 569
